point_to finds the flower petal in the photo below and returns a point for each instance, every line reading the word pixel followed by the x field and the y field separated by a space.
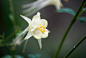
pixel 45 35
pixel 29 9
pixel 36 17
pixel 37 34
pixel 35 3
pixel 40 44
pixel 27 19
pixel 25 30
pixel 43 4
pixel 38 13
pixel 34 25
pixel 44 22
pixel 28 5
pixel 35 21
pixel 47 30
pixel 18 40
pixel 28 35
pixel 58 5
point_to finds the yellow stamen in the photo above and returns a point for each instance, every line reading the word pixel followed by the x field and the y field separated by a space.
pixel 42 29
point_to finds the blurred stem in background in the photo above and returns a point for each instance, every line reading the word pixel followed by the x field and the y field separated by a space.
pixel 12 15
pixel 72 22
pixel 7 46
pixel 9 50
pixel 75 46
pixel 10 36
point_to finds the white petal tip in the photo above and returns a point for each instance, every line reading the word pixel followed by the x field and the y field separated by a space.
pixel 20 14
pixel 26 18
pixel 38 13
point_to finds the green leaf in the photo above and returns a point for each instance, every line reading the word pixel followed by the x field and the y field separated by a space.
pixel 38 56
pixel 84 9
pixel 67 10
pixel 31 56
pixel 6 56
pixel 81 19
pixel 34 56
pixel 9 56
pixel 18 56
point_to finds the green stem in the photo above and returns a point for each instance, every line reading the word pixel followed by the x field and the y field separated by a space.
pixel 10 36
pixel 2 44
pixel 9 50
pixel 72 22
pixel 13 13
pixel 20 26
pixel 12 9
pixel 75 46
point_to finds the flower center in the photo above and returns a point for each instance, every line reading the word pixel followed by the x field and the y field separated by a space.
pixel 42 29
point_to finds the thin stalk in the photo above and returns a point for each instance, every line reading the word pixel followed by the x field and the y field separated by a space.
pixel 2 44
pixel 72 22
pixel 10 36
pixel 20 26
pixel 13 14
pixel 12 10
pixel 9 50
pixel 75 46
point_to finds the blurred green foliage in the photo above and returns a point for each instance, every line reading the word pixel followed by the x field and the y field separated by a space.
pixel 8 56
pixel 67 10
pixel 81 19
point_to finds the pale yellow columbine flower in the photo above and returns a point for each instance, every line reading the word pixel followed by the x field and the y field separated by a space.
pixel 39 4
pixel 36 28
